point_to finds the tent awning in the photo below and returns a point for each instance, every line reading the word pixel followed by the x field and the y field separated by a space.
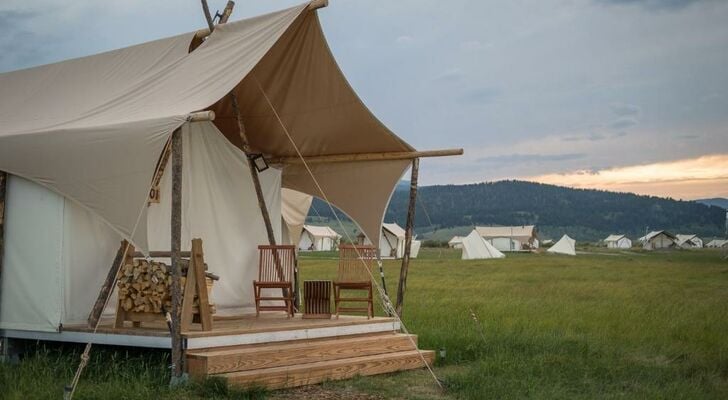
pixel 92 128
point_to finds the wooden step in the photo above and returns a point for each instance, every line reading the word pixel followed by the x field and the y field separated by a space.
pixel 245 358
pixel 313 373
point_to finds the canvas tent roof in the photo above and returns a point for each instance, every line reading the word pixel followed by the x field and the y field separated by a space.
pixel 613 238
pixel 476 248
pixel 321 231
pixel 394 229
pixel 656 233
pixel 565 245
pixel 96 129
pixel 522 232
pixel 682 239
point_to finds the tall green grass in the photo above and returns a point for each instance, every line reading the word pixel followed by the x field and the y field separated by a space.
pixel 628 325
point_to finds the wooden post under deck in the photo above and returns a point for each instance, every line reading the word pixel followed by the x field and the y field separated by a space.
pixel 176 244
pixel 408 236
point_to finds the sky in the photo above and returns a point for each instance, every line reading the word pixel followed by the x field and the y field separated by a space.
pixel 628 95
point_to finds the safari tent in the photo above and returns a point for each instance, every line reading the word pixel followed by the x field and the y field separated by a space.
pixel 565 245
pixel 318 238
pixel 195 136
pixel 689 241
pixel 510 238
pixel 391 241
pixel 717 243
pixel 456 242
pixel 618 242
pixel 657 240
pixel 476 248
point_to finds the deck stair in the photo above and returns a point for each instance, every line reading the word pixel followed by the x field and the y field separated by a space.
pixel 309 361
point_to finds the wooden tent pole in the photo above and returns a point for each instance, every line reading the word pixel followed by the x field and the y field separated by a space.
pixel 3 191
pixel 384 156
pixel 256 183
pixel 408 237
pixel 176 245
pixel 108 286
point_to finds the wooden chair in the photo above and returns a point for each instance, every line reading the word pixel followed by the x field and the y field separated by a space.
pixel 355 265
pixel 275 271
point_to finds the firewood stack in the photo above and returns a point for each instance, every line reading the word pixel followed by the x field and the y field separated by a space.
pixel 144 286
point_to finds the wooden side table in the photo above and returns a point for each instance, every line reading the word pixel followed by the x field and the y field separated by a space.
pixel 317 299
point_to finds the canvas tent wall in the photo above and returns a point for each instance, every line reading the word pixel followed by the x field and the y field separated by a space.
pixel 656 240
pixel 318 238
pixel 294 209
pixel 689 241
pixel 565 245
pixel 456 242
pixel 716 243
pixel 477 248
pixel 618 242
pixel 510 238
pixel 96 132
pixel 391 242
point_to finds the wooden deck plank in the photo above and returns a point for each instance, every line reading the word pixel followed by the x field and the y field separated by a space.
pixel 312 373
pixel 246 358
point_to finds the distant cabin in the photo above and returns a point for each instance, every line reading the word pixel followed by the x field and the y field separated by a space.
pixel 689 241
pixel 618 242
pixel 318 238
pixel 657 240
pixel 510 238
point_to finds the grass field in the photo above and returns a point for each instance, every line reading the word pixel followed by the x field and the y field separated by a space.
pixel 630 325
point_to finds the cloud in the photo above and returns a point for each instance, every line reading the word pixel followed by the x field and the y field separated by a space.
pixel 624 109
pixel 623 123
pixel 471 45
pixel 705 176
pixel 655 4
pixel 480 96
pixel 592 137
pixel 529 158
pixel 688 137
pixel 404 39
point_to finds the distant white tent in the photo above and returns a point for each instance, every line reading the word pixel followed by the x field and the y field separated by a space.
pixel 565 245
pixel 476 248
pixel 415 248
pixel 456 242
pixel 689 241
pixel 391 241
pixel 716 243
pixel 618 242
pixel 318 238
pixel 658 240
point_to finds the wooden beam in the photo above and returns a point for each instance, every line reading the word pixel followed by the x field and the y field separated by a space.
pixel 338 158
pixel 3 192
pixel 208 17
pixel 176 244
pixel 402 288
pixel 205 32
pixel 226 12
pixel 201 116
pixel 108 286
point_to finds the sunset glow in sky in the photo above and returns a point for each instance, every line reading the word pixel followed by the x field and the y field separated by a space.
pixel 696 178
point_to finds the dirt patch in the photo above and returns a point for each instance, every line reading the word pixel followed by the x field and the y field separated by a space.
pixel 320 393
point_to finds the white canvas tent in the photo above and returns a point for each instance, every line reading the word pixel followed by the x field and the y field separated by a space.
pixel 391 242
pixel 689 241
pixel 318 238
pixel 456 242
pixel 656 240
pixel 477 248
pixel 618 242
pixel 294 209
pixel 565 245
pixel 415 248
pixel 82 139
pixel 510 238
pixel 716 243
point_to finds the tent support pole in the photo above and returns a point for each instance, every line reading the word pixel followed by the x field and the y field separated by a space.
pixel 108 286
pixel 3 191
pixel 408 237
pixel 176 244
pixel 259 192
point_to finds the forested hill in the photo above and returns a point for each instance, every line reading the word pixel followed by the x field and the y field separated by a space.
pixel 584 214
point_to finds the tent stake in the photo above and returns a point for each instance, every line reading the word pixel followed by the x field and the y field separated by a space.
pixel 176 244
pixel 408 237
